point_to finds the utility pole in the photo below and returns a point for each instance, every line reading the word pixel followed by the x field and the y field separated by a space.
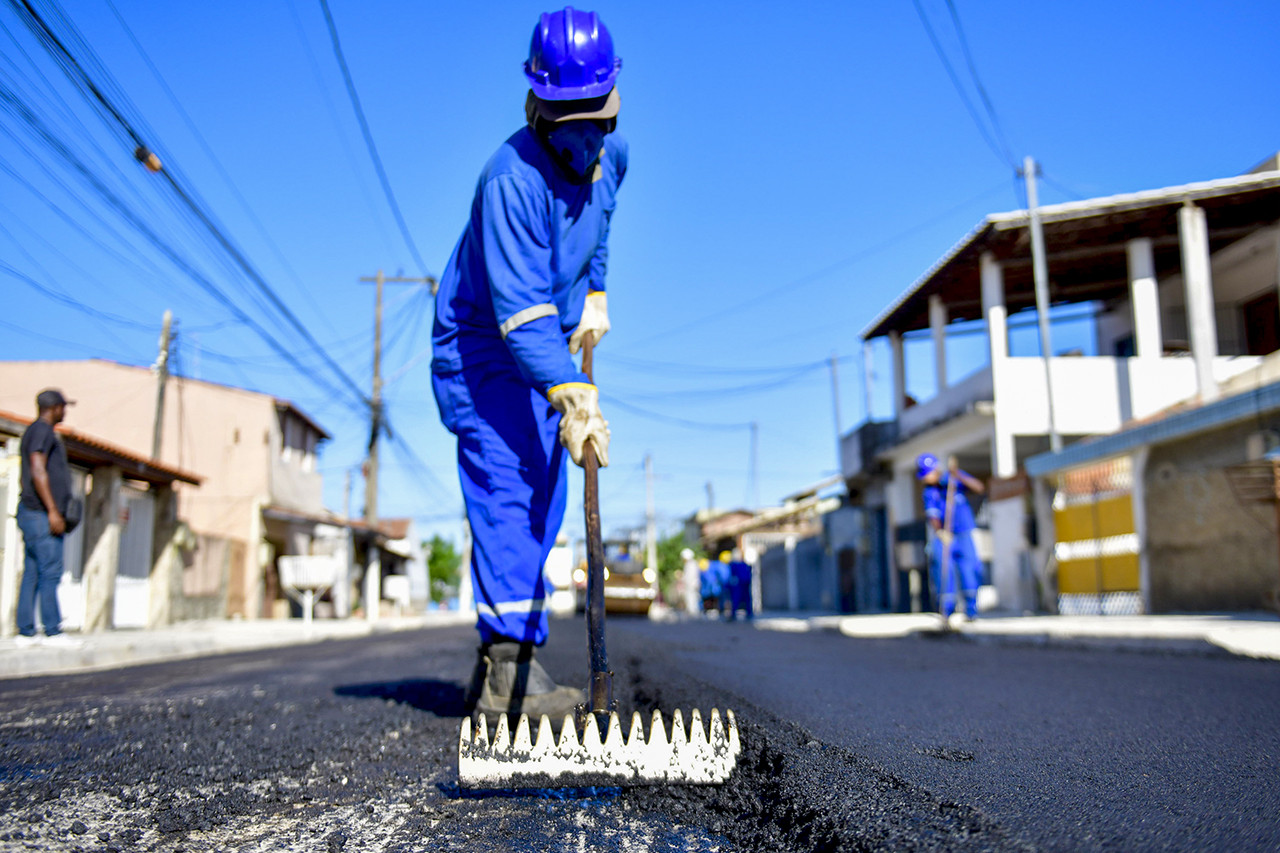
pixel 373 574
pixel 1040 271
pixel 375 409
pixel 161 368
pixel 711 497
pixel 346 493
pixel 650 522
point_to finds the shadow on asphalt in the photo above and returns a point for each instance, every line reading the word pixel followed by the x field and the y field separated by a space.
pixel 442 698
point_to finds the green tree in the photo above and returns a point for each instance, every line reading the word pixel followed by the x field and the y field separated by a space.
pixel 443 561
pixel 669 560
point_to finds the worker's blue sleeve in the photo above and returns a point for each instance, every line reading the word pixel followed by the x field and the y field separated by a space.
pixel 934 502
pixel 518 257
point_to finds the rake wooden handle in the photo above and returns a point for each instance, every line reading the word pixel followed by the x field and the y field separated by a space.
pixel 601 684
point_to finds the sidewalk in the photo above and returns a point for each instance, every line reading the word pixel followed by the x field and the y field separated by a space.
pixel 1255 635
pixel 127 647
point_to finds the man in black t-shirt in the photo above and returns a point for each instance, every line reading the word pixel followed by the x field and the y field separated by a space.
pixel 46 492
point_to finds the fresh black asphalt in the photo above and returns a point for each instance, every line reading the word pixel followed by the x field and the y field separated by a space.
pixel 917 743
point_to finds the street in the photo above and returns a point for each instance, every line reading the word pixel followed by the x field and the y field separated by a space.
pixel 917 743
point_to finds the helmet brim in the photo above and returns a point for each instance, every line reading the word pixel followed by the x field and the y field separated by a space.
pixel 603 107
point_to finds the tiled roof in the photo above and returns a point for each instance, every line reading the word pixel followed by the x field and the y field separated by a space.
pixel 96 452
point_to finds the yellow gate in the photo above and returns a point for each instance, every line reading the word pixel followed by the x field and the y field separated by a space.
pixel 1096 546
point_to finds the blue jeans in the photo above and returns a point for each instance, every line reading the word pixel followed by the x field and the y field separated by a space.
pixel 41 571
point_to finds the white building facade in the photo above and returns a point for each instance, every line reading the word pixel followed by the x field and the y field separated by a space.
pixel 1180 287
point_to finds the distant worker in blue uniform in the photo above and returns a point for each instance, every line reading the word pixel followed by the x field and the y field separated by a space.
pixel 524 286
pixel 952 532
pixel 712 581
pixel 740 590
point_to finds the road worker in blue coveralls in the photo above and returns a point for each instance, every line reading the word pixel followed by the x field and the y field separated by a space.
pixel 712 584
pixel 740 589
pixel 525 285
pixel 964 569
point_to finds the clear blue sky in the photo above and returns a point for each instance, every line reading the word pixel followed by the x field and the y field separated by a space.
pixel 793 169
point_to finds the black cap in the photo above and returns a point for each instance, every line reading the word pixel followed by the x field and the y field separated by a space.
pixel 50 397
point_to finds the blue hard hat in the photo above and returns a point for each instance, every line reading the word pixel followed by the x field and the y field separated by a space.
pixel 571 57
pixel 926 464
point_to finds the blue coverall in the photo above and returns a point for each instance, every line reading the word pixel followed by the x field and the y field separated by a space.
pixel 713 578
pixel 740 589
pixel 509 299
pixel 963 565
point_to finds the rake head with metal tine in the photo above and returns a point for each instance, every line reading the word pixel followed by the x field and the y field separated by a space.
pixel 581 757
pixel 696 756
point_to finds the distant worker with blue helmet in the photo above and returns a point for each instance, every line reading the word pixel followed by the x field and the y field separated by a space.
pixel 525 285
pixel 952 527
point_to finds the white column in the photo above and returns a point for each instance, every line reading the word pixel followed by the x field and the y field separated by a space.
pixel 1193 231
pixel 1006 516
pixel 1145 297
pixel 793 581
pixel 11 558
pixel 373 582
pixel 993 308
pixel 102 546
pixel 255 561
pixel 899 374
pixel 1003 457
pixel 938 325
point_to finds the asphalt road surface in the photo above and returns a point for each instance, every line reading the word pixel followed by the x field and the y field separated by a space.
pixel 910 744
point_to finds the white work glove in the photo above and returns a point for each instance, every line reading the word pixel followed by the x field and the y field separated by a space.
pixel 595 318
pixel 581 420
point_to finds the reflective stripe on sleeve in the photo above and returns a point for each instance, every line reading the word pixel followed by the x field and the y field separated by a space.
pixel 528 315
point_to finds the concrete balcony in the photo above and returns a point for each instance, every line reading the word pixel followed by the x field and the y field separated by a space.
pixel 956 400
pixel 1097 394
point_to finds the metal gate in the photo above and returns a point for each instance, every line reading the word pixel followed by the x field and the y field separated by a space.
pixel 1097 541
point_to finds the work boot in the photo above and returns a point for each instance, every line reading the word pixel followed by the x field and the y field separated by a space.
pixel 517 684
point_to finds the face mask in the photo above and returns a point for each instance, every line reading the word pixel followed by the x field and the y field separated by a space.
pixel 577 144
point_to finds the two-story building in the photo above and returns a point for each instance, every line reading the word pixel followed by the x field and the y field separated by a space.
pixel 261 494
pixel 1179 286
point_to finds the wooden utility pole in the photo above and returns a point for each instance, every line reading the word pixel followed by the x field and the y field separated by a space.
pixel 161 369
pixel 373 570
pixel 375 404
pixel 1040 271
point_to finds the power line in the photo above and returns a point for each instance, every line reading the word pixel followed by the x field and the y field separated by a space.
pixel 734 390
pixel 339 132
pixel 1004 156
pixel 669 419
pixel 76 71
pixel 9 102
pixel 368 139
pixel 977 82
pixel 213 158
pixel 804 280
